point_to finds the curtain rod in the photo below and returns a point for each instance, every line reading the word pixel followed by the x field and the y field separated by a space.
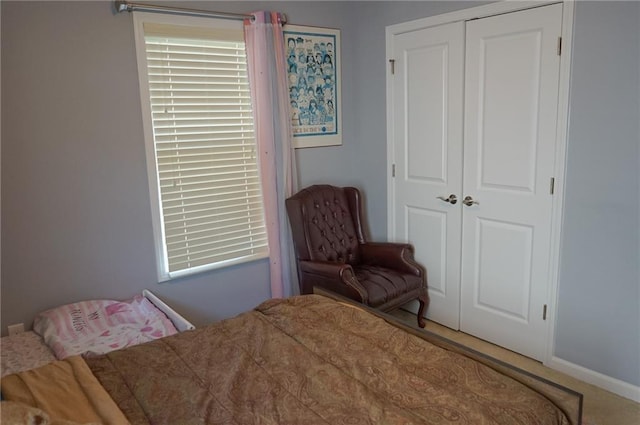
pixel 125 6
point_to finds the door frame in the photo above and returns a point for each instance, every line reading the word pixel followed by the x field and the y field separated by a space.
pixel 492 9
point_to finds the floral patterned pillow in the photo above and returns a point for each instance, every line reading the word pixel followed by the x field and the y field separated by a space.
pixel 23 351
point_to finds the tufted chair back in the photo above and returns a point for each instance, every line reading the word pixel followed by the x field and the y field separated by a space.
pixel 326 224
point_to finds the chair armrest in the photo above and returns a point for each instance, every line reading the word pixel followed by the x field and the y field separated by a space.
pixel 394 256
pixel 336 277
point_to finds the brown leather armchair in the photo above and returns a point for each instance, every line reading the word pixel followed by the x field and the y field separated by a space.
pixel 333 253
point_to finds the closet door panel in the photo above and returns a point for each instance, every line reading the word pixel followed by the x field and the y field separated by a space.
pixel 426 112
pixel 506 136
pixel 427 140
pixel 511 93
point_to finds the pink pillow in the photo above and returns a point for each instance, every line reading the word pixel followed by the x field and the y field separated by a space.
pixel 99 326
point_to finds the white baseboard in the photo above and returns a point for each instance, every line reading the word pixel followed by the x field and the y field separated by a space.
pixel 616 386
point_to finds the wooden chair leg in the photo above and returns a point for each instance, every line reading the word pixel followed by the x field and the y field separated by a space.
pixel 424 301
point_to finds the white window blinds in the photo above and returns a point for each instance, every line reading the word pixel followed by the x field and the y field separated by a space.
pixel 205 152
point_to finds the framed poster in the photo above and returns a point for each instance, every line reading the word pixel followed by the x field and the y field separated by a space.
pixel 313 75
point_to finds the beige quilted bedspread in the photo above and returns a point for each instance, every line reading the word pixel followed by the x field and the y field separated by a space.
pixel 310 360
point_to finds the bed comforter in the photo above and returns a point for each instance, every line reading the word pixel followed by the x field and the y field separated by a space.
pixel 311 360
pixel 303 360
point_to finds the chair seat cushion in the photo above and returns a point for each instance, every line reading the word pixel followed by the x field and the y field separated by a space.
pixel 384 285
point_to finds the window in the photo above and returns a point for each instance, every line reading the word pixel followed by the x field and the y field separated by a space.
pixel 201 153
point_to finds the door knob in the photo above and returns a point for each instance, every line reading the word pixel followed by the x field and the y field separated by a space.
pixel 468 201
pixel 452 199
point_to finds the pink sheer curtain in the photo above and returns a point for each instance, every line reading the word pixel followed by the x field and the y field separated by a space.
pixel 268 80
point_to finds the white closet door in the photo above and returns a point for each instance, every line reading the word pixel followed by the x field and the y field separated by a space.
pixel 427 144
pixel 511 95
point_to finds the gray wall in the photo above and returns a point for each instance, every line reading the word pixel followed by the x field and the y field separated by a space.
pixel 76 217
pixel 598 324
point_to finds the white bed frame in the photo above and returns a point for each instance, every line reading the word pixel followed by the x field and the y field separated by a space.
pixel 179 322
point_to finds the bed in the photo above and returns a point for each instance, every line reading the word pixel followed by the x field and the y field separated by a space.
pixel 302 360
